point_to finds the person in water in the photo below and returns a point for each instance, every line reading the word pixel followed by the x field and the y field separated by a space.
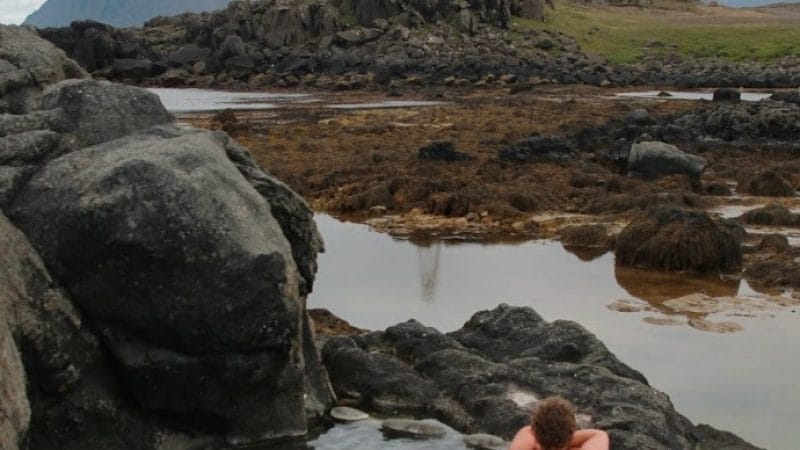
pixel 553 427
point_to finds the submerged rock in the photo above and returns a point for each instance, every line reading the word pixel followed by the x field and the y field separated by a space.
pixel 727 95
pixel 485 442
pixel 676 239
pixel 416 429
pixel 347 414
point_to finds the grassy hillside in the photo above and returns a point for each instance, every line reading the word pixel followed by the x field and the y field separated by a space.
pixel 628 34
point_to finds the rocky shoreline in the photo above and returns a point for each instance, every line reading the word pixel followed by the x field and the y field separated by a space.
pixel 153 292
pixel 397 46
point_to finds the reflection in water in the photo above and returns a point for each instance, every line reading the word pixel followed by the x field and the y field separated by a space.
pixel 429 256
pixel 656 287
pixel 586 253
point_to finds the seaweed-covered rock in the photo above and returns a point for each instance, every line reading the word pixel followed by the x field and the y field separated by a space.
pixel 677 239
pixel 539 149
pixel 441 151
pixel 769 183
pixel 771 215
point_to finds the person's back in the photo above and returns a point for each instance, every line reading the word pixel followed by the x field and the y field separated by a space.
pixel 553 427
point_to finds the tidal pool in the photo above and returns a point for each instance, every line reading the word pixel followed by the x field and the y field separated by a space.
pixel 692 95
pixel 744 381
pixel 189 100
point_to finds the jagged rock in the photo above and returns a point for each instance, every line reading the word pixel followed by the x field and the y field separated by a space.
pixel 657 159
pixel 378 381
pixel 675 239
pixel 347 414
pixel 491 371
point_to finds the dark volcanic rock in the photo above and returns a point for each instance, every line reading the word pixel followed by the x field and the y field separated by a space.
pixel 490 373
pixel 657 159
pixel 376 380
pixel 539 149
pixel 676 239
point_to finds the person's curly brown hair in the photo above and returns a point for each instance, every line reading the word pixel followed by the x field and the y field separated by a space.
pixel 553 423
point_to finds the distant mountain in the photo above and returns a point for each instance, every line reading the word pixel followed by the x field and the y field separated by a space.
pixel 752 3
pixel 120 13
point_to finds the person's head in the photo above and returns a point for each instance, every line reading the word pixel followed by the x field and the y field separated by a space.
pixel 553 423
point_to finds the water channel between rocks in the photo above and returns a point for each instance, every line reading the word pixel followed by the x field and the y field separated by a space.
pixel 744 381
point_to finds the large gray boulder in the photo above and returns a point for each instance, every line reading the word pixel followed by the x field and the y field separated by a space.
pixel 181 266
pixel 27 63
pixel 653 159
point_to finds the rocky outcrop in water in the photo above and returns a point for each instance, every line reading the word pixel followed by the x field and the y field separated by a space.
pixel 487 376
pixel 161 278
pixel 675 239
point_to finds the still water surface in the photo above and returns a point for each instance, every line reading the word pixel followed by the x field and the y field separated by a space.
pixel 745 382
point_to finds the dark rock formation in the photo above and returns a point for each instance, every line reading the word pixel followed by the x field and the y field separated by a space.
pixel 675 239
pixel 485 376
pixel 441 151
pixel 189 264
pixel 727 95
pixel 539 149
pixel 657 159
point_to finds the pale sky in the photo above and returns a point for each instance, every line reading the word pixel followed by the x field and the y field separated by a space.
pixel 15 11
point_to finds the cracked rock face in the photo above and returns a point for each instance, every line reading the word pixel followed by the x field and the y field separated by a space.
pixel 189 263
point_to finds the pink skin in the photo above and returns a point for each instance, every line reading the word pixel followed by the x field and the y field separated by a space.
pixel 581 440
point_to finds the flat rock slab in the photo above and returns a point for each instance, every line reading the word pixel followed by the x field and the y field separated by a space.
pixel 485 442
pixel 347 414
pixel 412 428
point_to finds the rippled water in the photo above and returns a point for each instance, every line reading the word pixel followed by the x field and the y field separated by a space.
pixel 744 382
pixel 205 100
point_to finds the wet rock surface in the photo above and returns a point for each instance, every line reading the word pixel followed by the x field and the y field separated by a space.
pixel 114 197
pixel 487 375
